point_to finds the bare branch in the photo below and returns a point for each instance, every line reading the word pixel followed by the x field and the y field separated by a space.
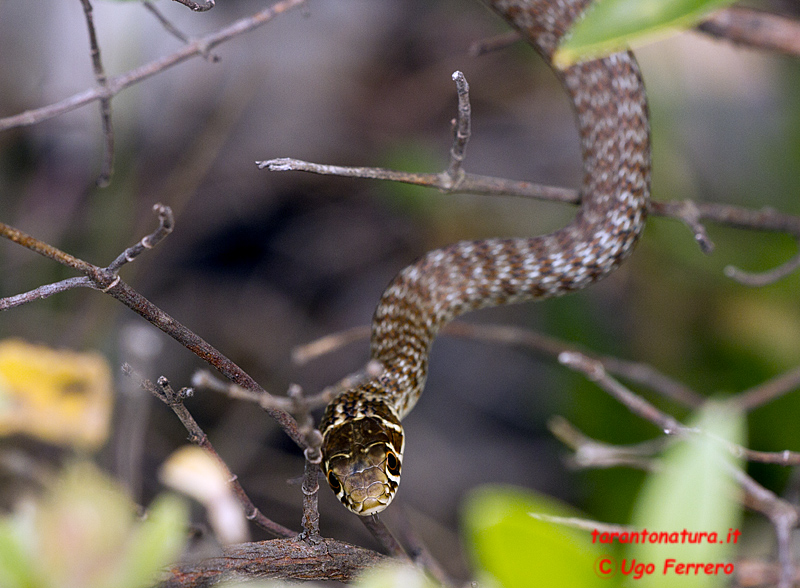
pixel 590 453
pixel 43 292
pixel 768 391
pixel 166 222
pixel 196 7
pixel 595 372
pixel 173 30
pixel 381 532
pixel 105 102
pixel 582 524
pixel 329 343
pixel 754 28
pixel 164 392
pixel 198 47
pixel 765 278
pixel 689 212
pixel 781 513
pixel 109 282
pixel 495 43
pixel 470 183
pixel 551 347
pixel 461 133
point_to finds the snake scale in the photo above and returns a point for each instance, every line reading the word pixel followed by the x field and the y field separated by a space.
pixel 363 439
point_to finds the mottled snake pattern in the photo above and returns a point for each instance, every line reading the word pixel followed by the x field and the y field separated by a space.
pixel 363 439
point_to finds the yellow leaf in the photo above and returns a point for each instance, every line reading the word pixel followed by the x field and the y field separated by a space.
pixel 60 397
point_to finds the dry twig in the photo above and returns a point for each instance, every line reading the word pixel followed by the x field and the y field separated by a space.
pixel 105 102
pixel 199 47
pixel 108 281
pixel 197 7
pixel 164 392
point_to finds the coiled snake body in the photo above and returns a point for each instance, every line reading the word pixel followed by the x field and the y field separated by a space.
pixel 362 436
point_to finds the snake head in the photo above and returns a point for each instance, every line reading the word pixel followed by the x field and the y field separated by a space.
pixel 361 459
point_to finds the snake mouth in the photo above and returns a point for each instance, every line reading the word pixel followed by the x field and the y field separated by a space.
pixel 373 506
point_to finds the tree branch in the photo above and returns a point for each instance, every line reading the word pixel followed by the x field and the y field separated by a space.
pixel 108 281
pixel 278 558
pixel 198 47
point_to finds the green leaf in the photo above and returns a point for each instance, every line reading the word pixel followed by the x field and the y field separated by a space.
pixel 17 568
pixel 609 26
pixel 693 493
pixel 156 543
pixel 517 550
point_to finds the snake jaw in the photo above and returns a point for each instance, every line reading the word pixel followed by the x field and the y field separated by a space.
pixel 362 459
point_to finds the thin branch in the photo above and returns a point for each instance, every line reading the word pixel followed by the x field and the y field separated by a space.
pixel 384 536
pixel 765 278
pixel 105 102
pixel 470 183
pixel 196 7
pixel 302 354
pixel 595 372
pixel 173 30
pixel 589 453
pixel 754 28
pixel 767 391
pixel 543 345
pixel 782 514
pixel 689 212
pixel 495 43
pixel 164 392
pixel 312 439
pixel 300 407
pixel 116 84
pixel 419 552
pixel 204 379
pixel 166 222
pixel 551 347
pixel 108 282
pixel 582 524
pixel 461 133
pixel 43 292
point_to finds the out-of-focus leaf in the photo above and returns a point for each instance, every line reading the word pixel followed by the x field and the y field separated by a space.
pixel 693 493
pixel 57 396
pixel 194 472
pixel 517 550
pixel 84 533
pixel 156 542
pixel 16 565
pixel 614 25
pixel 82 527
pixel 395 575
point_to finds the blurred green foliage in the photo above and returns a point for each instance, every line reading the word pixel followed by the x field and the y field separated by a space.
pixel 84 532
pixel 614 25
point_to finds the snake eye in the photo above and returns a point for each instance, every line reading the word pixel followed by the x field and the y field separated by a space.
pixel 334 482
pixel 392 463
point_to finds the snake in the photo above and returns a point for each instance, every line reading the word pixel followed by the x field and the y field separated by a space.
pixel 363 438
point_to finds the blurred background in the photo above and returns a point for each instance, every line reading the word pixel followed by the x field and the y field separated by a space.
pixel 261 262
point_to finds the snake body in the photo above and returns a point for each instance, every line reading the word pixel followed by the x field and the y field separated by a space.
pixel 363 439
